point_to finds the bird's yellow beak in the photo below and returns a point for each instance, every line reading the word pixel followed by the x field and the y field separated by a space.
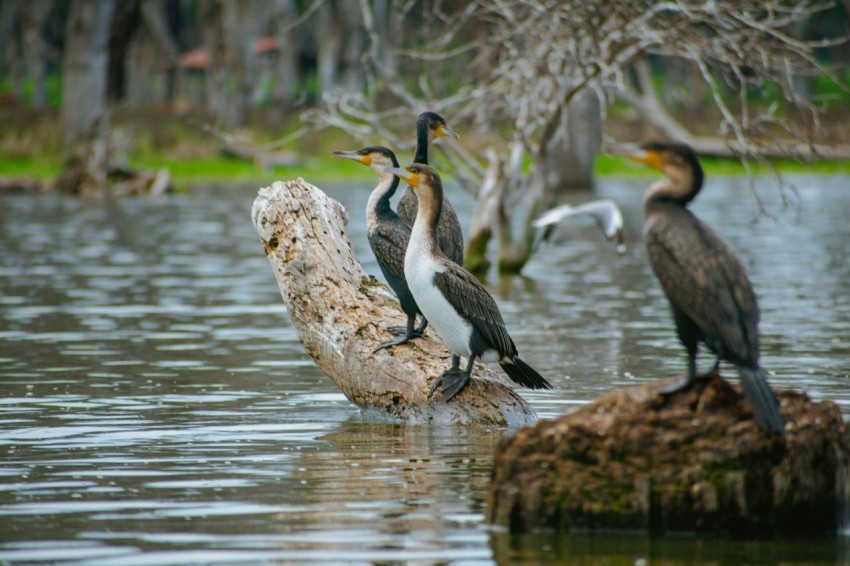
pixel 407 175
pixel 364 159
pixel 651 158
pixel 647 157
pixel 445 131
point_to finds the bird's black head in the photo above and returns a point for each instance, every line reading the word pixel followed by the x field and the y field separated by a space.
pixel 379 150
pixel 431 120
pixel 435 125
pixel 671 156
pixel 377 157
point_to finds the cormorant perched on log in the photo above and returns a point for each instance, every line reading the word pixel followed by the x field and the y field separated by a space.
pixel 388 237
pixel 458 307
pixel 429 126
pixel 709 292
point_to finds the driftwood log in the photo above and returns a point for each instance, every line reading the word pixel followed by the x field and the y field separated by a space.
pixel 695 461
pixel 341 314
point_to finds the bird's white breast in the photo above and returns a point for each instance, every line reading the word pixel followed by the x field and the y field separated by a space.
pixel 419 270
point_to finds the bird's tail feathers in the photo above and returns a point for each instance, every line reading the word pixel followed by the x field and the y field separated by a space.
pixel 762 401
pixel 523 374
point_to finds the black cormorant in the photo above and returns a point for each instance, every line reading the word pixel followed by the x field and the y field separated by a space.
pixel 709 292
pixel 388 237
pixel 429 126
pixel 457 306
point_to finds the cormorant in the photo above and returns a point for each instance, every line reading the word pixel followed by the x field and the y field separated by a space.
pixel 458 307
pixel 429 126
pixel 706 284
pixel 388 237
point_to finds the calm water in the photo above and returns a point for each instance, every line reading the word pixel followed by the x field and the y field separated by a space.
pixel 157 408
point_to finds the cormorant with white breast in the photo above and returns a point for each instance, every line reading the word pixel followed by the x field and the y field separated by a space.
pixel 388 237
pixel 706 284
pixel 429 126
pixel 458 307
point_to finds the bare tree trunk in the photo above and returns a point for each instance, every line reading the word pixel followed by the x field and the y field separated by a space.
pixel 328 40
pixel 569 149
pixel 564 163
pixel 142 64
pixel 341 314
pixel 353 46
pixel 85 66
pixel 153 14
pixel 125 24
pixel 10 41
pixel 486 215
pixel 241 22
pixel 213 40
pixel 286 66
pixel 383 13
pixel 33 17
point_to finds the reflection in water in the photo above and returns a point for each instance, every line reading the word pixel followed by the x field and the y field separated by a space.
pixel 157 407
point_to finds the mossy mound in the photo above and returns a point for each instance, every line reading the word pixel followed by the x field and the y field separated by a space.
pixel 695 461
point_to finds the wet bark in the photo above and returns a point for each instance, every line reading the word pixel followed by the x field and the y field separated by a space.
pixel 695 461
pixel 341 315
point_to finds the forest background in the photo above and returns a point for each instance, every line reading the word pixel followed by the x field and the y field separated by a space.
pixel 92 92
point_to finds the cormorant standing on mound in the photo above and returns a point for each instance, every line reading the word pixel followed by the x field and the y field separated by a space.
pixel 429 126
pixel 388 237
pixel 711 297
pixel 458 307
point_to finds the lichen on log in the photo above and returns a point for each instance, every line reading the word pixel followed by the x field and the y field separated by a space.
pixel 695 461
pixel 341 314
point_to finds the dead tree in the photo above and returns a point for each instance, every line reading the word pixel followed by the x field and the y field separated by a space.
pixel 534 61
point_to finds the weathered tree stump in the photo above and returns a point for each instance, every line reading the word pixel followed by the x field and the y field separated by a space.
pixel 341 315
pixel 96 167
pixel 695 461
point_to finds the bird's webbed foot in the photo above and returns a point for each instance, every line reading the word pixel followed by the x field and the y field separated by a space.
pixel 451 383
pixel 394 342
pixel 397 330
pixel 684 382
pixel 404 333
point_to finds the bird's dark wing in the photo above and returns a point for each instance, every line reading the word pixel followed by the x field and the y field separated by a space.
pixel 407 206
pixel 469 297
pixel 449 233
pixel 704 279
pixel 388 241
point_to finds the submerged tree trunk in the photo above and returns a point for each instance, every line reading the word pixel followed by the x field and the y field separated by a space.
pixel 341 315
pixel 562 165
